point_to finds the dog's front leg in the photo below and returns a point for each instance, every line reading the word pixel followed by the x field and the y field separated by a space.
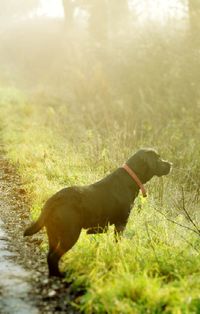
pixel 119 229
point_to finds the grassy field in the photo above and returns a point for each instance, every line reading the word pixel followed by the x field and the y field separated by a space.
pixel 155 268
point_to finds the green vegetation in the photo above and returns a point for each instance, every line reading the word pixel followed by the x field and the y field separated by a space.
pixel 77 98
pixel 156 266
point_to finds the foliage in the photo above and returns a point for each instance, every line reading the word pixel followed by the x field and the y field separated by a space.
pixel 155 267
pixel 85 99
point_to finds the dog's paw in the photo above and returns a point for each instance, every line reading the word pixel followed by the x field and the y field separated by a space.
pixel 57 274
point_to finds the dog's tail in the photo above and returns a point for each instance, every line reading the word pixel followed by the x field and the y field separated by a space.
pixel 35 226
pixel 45 213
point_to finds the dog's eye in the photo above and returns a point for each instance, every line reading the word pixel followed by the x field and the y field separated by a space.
pixel 156 155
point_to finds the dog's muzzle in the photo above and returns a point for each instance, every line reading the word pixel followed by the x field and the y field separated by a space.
pixel 164 168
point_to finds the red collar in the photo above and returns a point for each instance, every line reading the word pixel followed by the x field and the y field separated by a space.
pixel 135 178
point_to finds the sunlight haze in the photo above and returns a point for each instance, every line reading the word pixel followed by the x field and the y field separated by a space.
pixel 99 108
pixel 158 10
pixel 51 8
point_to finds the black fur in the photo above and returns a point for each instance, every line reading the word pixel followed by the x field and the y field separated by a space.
pixel 95 206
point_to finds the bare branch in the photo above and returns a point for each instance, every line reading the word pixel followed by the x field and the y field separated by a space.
pixel 187 214
pixel 177 223
pixel 188 242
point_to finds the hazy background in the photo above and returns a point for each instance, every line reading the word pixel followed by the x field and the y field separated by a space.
pixel 129 51
pixel 128 70
pixel 83 85
pixel 116 62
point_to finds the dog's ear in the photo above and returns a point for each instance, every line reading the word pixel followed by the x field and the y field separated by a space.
pixel 144 161
pixel 150 158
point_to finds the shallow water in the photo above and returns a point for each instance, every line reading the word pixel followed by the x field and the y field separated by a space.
pixel 14 282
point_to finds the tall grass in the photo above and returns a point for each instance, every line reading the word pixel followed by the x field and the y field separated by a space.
pixel 155 268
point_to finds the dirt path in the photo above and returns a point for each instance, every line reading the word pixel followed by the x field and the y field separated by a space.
pixel 24 284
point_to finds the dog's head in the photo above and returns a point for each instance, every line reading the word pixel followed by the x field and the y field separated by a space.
pixel 147 163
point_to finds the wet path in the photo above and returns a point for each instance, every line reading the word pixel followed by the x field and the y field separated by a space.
pixel 24 284
pixel 15 281
pixel 14 285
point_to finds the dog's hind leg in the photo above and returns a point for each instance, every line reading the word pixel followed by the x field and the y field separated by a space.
pixel 119 229
pixel 53 255
pixel 68 241
pixel 53 259
pixel 58 249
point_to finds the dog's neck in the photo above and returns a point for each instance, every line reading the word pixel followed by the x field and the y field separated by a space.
pixel 136 179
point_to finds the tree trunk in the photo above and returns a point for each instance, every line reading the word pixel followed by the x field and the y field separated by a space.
pixel 194 19
pixel 193 48
pixel 118 15
pixel 68 11
pixel 98 21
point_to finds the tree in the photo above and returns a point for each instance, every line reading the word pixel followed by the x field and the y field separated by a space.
pixel 192 47
pixel 68 8
pixel 194 18
pixel 98 21
pixel 105 16
pixel 118 14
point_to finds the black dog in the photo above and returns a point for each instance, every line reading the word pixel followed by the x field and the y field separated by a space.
pixel 95 206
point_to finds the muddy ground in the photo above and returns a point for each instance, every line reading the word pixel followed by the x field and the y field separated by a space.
pixel 24 283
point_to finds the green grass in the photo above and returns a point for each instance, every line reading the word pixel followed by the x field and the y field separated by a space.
pixel 155 268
